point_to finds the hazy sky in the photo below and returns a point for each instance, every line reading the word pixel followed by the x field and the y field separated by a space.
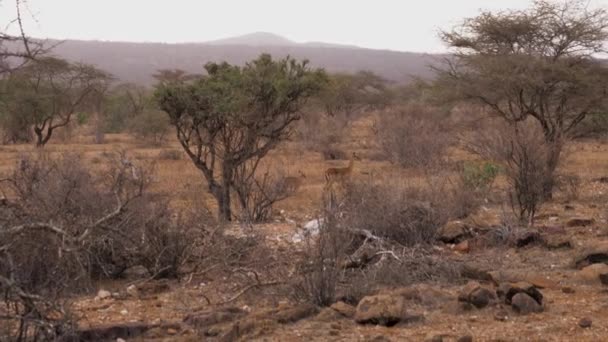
pixel 382 24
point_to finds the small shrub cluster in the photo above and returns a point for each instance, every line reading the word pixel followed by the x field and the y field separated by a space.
pixel 414 135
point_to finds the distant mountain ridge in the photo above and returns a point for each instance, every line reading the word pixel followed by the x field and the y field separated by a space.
pixel 137 62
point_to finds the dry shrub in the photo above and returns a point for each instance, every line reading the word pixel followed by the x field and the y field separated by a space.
pixel 257 192
pixel 401 212
pixel 61 226
pixel 170 154
pixel 523 154
pixel 415 135
pixel 321 133
pixel 319 271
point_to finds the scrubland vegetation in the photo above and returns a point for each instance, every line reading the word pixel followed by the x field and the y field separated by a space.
pixel 324 197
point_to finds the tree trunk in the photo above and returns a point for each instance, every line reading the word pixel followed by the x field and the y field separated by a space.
pixel 225 212
pixel 41 139
pixel 555 150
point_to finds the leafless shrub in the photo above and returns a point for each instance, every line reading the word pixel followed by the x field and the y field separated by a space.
pixel 257 193
pixel 413 136
pixel 568 185
pixel 321 133
pixel 403 213
pixel 320 269
pixel 523 154
pixel 170 154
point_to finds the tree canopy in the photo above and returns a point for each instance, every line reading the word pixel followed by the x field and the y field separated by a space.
pixel 234 115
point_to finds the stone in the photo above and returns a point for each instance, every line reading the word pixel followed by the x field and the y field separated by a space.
pixel 472 271
pixel 523 304
pixel 120 340
pixel 541 282
pixel 580 222
pixel 604 278
pixel 463 247
pixel 473 293
pixel 592 253
pixel 344 309
pixel 585 322
pixel 132 291
pixel 568 290
pixel 386 310
pixel 171 331
pixel 501 315
pixel 153 287
pixel 211 317
pixel 528 238
pixel 557 242
pixel 103 294
pixel 453 232
pixel 591 274
pixel 506 291
pixel 465 338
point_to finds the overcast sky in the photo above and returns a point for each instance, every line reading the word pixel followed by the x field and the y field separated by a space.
pixel 379 24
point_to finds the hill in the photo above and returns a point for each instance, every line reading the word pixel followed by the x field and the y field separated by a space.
pixel 136 62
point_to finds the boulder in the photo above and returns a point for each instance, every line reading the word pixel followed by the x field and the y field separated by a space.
pixel 476 295
pixel 344 309
pixel 585 322
pixel 593 274
pixel 580 222
pixel 103 294
pixel 557 242
pixel 475 272
pixel 594 253
pixel 454 232
pixel 208 318
pixel 523 304
pixel 386 310
pixel 527 238
pixel 506 291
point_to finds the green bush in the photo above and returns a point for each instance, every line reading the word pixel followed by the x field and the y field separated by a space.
pixel 479 176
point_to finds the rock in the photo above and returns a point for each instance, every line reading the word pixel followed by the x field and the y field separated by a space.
pixel 481 297
pixel 112 332
pixel 594 253
pixel 120 340
pixel 153 287
pixel 453 232
pixel 463 247
pixel 136 272
pixel 527 238
pixel 472 271
pixel 501 315
pixel 465 338
pixel 344 309
pixel 435 338
pixel 132 291
pixel 124 312
pixel 580 222
pixel 292 314
pixel 103 294
pixel 476 295
pixel 541 282
pixel 604 278
pixel 591 274
pixel 523 304
pixel 557 242
pixel 208 318
pixel 386 310
pixel 585 322
pixel 506 291
pixel 568 290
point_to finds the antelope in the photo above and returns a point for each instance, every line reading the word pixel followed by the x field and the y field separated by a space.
pixel 293 183
pixel 340 174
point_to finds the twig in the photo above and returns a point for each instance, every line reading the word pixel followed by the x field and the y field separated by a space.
pixel 246 289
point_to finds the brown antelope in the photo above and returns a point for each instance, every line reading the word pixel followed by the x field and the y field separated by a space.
pixel 293 183
pixel 340 174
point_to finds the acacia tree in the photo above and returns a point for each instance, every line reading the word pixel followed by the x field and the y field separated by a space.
pixel 49 91
pixel 348 93
pixel 236 114
pixel 18 47
pixel 539 63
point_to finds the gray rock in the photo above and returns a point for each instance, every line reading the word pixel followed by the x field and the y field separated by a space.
pixel 523 304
